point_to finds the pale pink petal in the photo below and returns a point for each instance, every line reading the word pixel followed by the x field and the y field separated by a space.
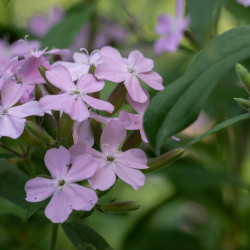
pixel 133 177
pixel 112 56
pixel 58 209
pixel 82 168
pixel 82 133
pixel 80 57
pixel 102 119
pixel 164 24
pixel 112 136
pixel 27 109
pixel 134 89
pixel 95 58
pixel 133 158
pixel 98 104
pixel 143 135
pixel 79 197
pixel 27 95
pixel 137 106
pixel 104 177
pixel 136 121
pixel 89 84
pixel 179 8
pixel 11 126
pixel 76 70
pixel 57 162
pixel 10 94
pixel 153 79
pixel 137 61
pixel 111 73
pixel 60 77
pixel 39 189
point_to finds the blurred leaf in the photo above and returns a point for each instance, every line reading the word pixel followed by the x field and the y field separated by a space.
pixel 36 206
pixel 204 16
pixel 83 237
pixel 238 10
pixel 63 34
pixel 12 182
pixel 176 107
pixel 220 126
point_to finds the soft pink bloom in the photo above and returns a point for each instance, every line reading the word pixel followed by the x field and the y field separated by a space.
pixel 111 161
pixel 82 64
pixel 66 194
pixel 39 25
pixel 171 30
pixel 129 71
pixel 73 98
pixel 27 94
pixel 12 118
pixel 245 3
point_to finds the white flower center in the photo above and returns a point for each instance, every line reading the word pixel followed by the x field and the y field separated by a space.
pixel 3 111
pixel 76 92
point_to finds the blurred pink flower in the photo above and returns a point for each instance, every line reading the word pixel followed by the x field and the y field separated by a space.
pixel 73 97
pixel 117 69
pixel 39 25
pixel 66 194
pixel 12 120
pixel 171 30
pixel 245 3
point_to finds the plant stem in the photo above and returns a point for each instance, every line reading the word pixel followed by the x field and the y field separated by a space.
pixel 53 238
pixel 10 150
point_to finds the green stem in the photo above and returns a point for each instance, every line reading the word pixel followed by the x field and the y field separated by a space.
pixel 10 150
pixel 53 238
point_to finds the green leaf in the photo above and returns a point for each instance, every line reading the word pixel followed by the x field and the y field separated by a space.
pixel 176 107
pixel 203 17
pixel 83 237
pixel 63 34
pixel 220 126
pixel 12 182
pixel 36 206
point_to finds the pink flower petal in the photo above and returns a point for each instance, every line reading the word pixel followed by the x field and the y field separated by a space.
pixel 134 89
pixel 98 104
pixel 80 57
pixel 88 84
pixel 11 93
pixel 110 73
pixel 164 24
pixel 104 177
pixel 82 168
pixel 137 61
pixel 60 77
pixel 137 106
pixel 133 177
pixel 39 189
pixel 58 209
pixel 79 197
pixel 82 133
pixel 111 56
pixel 27 109
pixel 153 79
pixel 57 161
pixel 112 136
pixel 133 158
pixel 179 8
pixel 11 126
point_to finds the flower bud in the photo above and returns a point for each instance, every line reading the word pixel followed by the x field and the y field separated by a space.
pixel 65 125
pixel 40 134
pixel 117 97
pixel 244 103
pixel 119 207
pixel 38 92
pixel 164 160
pixel 243 75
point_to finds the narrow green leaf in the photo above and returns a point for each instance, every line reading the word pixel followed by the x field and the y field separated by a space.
pixel 220 126
pixel 63 34
pixel 176 107
pixel 83 237
pixel 12 182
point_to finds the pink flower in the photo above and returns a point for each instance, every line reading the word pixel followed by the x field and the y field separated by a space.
pixel 66 194
pixel 82 64
pixel 73 97
pixel 171 30
pixel 245 3
pixel 82 133
pixel 39 25
pixel 112 162
pixel 12 120
pixel 117 69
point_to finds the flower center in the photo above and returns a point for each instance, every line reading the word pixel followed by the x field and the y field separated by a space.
pixel 61 183
pixel 131 71
pixel 3 111
pixel 76 92
pixel 110 158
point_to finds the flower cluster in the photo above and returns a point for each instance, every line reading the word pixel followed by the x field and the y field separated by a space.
pixel 73 88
